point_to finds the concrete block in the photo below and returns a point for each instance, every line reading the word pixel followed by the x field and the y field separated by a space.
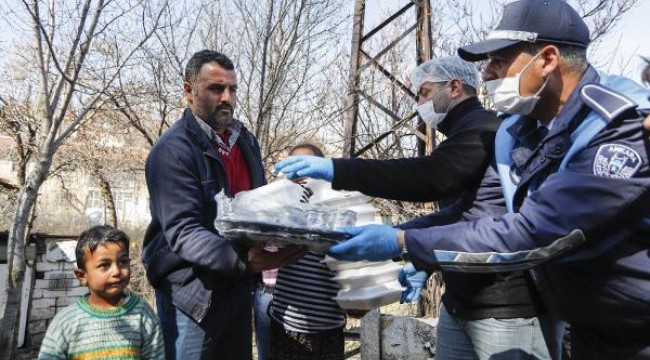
pixel 59 266
pixel 43 303
pixel 65 301
pixel 59 274
pixel 63 284
pixel 77 291
pixel 54 293
pixel 42 314
pixel 371 336
pixel 407 338
pixel 38 326
pixel 42 284
pixel 37 294
pixel 36 339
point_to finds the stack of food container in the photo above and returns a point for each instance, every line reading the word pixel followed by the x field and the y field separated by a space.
pixel 366 285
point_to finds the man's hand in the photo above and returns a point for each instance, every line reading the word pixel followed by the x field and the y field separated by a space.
pixel 370 242
pixel 260 259
pixel 413 280
pixel 306 166
pixel 646 123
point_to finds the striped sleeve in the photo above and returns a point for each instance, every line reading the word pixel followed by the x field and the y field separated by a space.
pixel 55 344
pixel 153 346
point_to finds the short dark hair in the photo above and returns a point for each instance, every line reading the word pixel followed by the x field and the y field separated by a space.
pixel 468 90
pixel 95 236
pixel 645 75
pixel 197 60
pixel 574 56
pixel 313 148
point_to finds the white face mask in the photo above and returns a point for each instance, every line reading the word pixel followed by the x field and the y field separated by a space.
pixel 429 114
pixel 506 97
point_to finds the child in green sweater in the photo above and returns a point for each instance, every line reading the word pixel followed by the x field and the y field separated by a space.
pixel 108 322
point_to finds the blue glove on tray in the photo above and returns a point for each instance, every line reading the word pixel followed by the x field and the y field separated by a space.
pixel 306 166
pixel 369 242
pixel 413 280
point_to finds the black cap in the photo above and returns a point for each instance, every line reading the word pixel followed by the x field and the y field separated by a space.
pixel 531 21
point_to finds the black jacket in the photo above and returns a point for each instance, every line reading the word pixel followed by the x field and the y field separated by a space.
pixel 454 169
pixel 183 253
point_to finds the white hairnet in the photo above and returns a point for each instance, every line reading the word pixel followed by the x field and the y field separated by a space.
pixel 446 68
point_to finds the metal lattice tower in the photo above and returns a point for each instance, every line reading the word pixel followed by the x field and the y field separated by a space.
pixel 360 61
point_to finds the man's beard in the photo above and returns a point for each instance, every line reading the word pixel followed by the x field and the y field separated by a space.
pixel 218 121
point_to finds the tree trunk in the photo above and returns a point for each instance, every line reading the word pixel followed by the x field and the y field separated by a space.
pixel 107 194
pixel 16 256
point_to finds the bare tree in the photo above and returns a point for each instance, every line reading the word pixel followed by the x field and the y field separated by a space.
pixel 71 74
pixel 281 49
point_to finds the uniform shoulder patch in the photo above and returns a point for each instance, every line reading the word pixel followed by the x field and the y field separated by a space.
pixel 608 103
pixel 616 161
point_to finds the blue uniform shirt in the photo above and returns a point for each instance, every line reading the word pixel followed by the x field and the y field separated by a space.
pixel 603 191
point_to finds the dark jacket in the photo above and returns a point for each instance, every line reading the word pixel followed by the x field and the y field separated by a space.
pixel 457 163
pixel 183 253
pixel 604 191
pixel 455 168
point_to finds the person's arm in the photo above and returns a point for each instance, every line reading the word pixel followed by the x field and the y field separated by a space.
pixel 577 198
pixel 153 345
pixel 54 345
pixel 178 200
pixel 457 163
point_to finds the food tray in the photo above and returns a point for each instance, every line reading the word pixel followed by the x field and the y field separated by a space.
pixel 249 233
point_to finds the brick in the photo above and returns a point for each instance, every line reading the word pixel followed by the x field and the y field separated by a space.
pixel 37 294
pixel 77 291
pixel 43 303
pixel 62 284
pixel 65 301
pixel 58 274
pixel 54 293
pixel 36 339
pixel 37 326
pixel 42 284
pixel 57 266
pixel 42 314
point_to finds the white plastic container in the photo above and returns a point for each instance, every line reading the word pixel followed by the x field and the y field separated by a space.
pixel 370 297
pixel 367 276
pixel 374 270
pixel 338 265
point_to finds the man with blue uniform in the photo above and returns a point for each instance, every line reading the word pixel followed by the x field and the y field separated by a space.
pixel 572 156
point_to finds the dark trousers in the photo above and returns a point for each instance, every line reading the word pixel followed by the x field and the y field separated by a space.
pixel 289 345
pixel 630 343
pixel 224 334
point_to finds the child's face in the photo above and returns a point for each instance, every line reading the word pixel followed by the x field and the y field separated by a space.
pixel 107 273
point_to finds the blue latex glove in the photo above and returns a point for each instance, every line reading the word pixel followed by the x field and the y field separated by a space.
pixel 369 242
pixel 413 280
pixel 306 166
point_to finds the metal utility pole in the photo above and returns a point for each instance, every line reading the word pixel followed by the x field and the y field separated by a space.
pixel 423 53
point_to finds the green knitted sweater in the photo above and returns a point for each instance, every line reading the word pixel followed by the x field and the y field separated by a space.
pixel 82 332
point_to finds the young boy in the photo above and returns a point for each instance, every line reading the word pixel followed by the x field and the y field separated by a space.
pixel 108 322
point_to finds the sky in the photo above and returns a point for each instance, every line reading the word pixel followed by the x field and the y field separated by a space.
pixel 632 31
pixel 619 52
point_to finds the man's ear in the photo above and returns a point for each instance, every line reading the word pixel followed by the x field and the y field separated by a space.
pixel 456 88
pixel 551 56
pixel 81 276
pixel 187 89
